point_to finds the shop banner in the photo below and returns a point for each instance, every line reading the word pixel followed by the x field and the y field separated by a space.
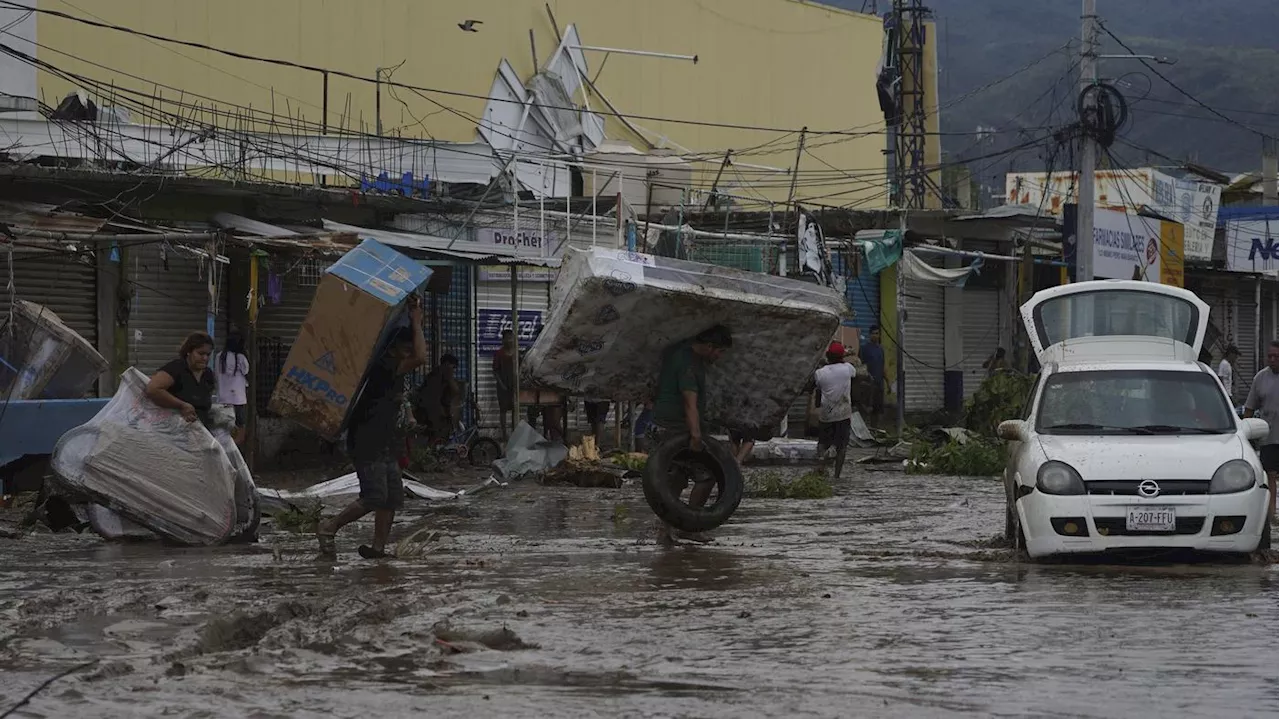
pixel 491 323
pixel 1127 247
pixel 1251 245
pixel 1131 247
pixel 1195 205
pixel 525 242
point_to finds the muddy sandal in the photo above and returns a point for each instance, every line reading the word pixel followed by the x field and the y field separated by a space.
pixel 368 552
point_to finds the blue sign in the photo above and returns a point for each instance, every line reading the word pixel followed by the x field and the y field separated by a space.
pixel 1268 248
pixel 491 323
pixel 405 186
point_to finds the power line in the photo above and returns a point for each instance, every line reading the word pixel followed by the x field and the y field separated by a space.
pixel 455 93
pixel 1177 87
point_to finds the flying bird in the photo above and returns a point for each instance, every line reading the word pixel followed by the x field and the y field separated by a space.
pixel 470 25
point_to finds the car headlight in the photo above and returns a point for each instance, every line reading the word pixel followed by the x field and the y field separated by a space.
pixel 1059 478
pixel 1234 476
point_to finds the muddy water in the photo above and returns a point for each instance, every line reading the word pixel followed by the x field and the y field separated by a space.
pixel 888 600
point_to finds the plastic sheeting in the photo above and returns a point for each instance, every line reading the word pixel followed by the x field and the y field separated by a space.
pixel 109 525
pixel 528 452
pixel 151 466
pixel 614 312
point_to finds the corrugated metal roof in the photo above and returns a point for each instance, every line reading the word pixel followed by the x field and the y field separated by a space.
pixel 39 216
pixel 229 221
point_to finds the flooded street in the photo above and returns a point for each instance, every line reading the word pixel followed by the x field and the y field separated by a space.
pixel 891 599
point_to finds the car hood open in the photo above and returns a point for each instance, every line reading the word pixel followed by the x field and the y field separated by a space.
pixel 1143 457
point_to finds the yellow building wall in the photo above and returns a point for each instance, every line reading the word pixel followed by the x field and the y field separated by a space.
pixel 776 63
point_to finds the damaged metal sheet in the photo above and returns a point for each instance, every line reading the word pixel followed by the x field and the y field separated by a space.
pixel 275 501
pixel 534 118
pixel 614 312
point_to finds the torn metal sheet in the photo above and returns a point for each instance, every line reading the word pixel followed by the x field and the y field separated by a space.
pixel 275 501
pixel 613 313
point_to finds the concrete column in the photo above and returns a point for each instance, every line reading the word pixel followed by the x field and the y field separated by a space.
pixel 111 275
pixel 953 349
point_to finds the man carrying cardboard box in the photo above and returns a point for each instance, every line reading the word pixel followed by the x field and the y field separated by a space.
pixel 375 439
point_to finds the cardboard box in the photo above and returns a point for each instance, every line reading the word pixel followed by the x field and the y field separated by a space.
pixel 613 313
pixel 357 303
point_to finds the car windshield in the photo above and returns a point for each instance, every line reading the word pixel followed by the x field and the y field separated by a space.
pixel 1133 402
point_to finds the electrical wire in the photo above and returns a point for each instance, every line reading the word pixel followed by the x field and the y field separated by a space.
pixel 1179 89
pixel 1103 112
pixel 454 93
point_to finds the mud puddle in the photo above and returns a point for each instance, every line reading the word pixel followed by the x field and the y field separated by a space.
pixel 893 598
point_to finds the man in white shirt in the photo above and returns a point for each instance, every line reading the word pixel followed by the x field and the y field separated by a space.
pixel 835 407
pixel 1226 370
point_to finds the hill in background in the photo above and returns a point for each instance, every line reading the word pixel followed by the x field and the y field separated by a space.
pixel 1225 55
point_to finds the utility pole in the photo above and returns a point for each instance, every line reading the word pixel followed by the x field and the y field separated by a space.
pixel 1089 151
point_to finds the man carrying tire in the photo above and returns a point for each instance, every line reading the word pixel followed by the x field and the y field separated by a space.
pixel 679 407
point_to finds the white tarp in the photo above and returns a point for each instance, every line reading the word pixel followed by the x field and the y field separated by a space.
pixel 151 466
pixel 613 313
pixel 914 268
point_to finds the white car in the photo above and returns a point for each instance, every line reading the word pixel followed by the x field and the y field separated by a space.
pixel 1127 441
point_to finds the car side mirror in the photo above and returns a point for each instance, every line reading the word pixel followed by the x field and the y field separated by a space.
pixel 1014 430
pixel 1255 428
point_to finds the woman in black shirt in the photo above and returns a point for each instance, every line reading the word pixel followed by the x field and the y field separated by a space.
pixel 186 384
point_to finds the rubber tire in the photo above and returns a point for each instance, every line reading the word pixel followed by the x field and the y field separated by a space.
pixel 1264 541
pixel 489 451
pixel 718 458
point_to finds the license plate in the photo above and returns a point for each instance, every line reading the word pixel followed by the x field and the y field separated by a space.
pixel 1151 519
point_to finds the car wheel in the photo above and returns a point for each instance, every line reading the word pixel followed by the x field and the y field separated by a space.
pixel 1264 541
pixel 717 459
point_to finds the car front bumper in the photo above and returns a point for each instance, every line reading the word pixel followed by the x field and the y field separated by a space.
pixel 1107 512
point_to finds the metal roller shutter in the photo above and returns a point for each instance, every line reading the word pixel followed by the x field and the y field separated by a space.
pixel 66 284
pixel 278 327
pixel 170 301
pixel 981 333
pixel 862 293
pixel 1246 339
pixel 922 344
pixel 455 334
pixel 493 300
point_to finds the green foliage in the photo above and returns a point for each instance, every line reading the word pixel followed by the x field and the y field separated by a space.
pixel 974 458
pixel 631 460
pixel 1000 397
pixel 772 485
pixel 302 518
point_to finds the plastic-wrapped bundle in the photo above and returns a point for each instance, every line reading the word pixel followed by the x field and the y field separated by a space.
pixel 152 467
pixel 110 525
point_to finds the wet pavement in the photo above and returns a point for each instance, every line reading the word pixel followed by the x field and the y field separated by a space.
pixel 891 599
